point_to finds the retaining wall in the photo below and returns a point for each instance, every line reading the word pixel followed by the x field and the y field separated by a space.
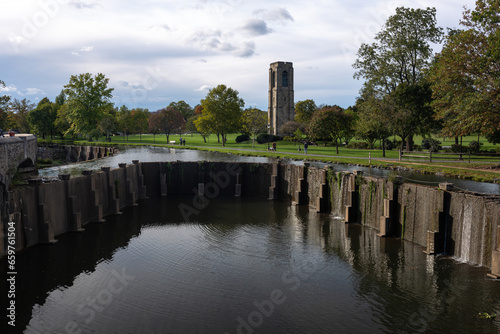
pixel 439 219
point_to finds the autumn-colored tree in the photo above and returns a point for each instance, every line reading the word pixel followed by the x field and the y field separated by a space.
pixel 4 100
pixel 465 77
pixel 170 121
pixel 154 124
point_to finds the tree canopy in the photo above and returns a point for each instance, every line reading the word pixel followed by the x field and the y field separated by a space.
pixel 465 77
pixel 222 112
pixel 87 99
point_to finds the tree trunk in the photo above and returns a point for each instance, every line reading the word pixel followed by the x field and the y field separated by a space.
pixel 337 145
pixel 456 140
pixel 383 147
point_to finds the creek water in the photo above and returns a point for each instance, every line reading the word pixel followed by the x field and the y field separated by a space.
pixel 243 265
pixel 153 154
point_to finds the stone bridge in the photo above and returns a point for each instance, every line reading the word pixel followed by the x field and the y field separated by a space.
pixel 17 153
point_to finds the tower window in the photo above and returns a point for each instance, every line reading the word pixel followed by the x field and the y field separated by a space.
pixel 285 79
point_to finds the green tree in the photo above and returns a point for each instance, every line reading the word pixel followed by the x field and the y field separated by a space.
pixel 4 105
pixel 372 121
pixel 42 119
pixel 139 119
pixel 19 116
pixel 124 119
pixel 329 123
pixel 304 111
pixel 465 77
pixel 399 57
pixel 185 109
pixel 108 123
pixel 88 98
pixel 254 121
pixel 222 112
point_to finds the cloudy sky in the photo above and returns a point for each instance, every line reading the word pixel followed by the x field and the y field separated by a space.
pixel 158 51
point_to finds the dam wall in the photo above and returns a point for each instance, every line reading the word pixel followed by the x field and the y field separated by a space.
pixel 441 220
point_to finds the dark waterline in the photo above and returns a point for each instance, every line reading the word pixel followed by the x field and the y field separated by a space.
pixel 155 154
pixel 248 265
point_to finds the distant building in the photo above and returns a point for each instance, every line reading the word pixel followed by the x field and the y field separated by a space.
pixel 281 104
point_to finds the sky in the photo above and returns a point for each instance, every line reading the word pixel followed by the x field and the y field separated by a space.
pixel 155 52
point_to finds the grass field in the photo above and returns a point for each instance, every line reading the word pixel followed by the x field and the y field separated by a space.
pixel 448 165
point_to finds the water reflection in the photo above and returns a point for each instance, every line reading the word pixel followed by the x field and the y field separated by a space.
pixel 245 265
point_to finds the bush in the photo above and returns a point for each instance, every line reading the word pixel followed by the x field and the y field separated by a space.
pixel 475 146
pixel 266 138
pixel 389 145
pixel 242 138
pixel 431 144
pixel 288 138
pixel 359 145
pixel 456 148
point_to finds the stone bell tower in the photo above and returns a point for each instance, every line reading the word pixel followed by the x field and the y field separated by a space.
pixel 281 105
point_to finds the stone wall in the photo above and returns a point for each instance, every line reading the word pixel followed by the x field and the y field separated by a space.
pixel 440 220
pixel 17 151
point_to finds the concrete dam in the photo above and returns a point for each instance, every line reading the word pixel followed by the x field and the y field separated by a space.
pixel 442 220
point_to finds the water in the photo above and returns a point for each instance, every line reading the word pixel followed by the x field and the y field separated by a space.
pixel 243 266
pixel 154 154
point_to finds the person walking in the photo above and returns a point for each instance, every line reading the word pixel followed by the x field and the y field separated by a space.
pixel 305 147
pixel 274 146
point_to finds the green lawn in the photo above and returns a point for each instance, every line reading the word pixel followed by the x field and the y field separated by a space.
pixel 448 165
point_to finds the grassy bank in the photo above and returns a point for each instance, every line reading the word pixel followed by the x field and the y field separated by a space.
pixel 447 165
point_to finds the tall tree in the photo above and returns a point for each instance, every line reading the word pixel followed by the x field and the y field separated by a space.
pixel 139 118
pixel 254 121
pixel 87 98
pixel 154 127
pixel 108 123
pixel 222 111
pixel 170 121
pixel 304 111
pixel 20 110
pixel 124 119
pixel 399 57
pixel 42 119
pixel 4 104
pixel 465 77
pixel 372 121
pixel 185 109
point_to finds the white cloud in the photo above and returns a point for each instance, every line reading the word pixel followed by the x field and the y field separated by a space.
pixel 195 43
pixel 203 88
pixel 34 91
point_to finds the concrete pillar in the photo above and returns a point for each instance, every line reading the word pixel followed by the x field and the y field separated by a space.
pixel 73 215
pixel 140 180
pixel 113 201
pixel 273 189
pixel 322 199
pixel 46 234
pixel 495 258
pixel 352 196
pixel 237 190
